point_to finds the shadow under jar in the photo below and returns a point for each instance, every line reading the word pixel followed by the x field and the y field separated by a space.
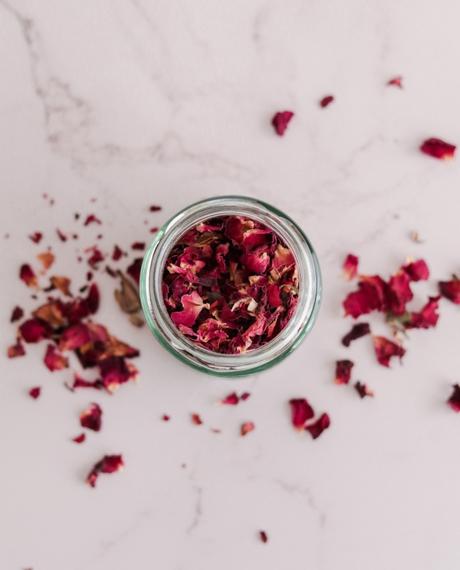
pixel 265 354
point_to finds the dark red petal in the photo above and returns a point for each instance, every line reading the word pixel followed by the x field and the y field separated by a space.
pixel 438 148
pixel 244 396
pixel 92 219
pixel 350 266
pixel 153 230
pixel 325 101
pixel 16 350
pixel 417 270
pixel 386 349
pixel 117 253
pixel 92 299
pixel 61 235
pixel 140 245
pixel 301 412
pixel 318 426
pixel 134 270
pixel 263 536
pixel 370 296
pixel 363 390
pixel 36 237
pixel 155 208
pixel 357 331
pixel 165 417
pixel 247 427
pixel 427 317
pixel 33 330
pixel 231 399
pixel 396 81
pixel 27 275
pixel 451 290
pixel 91 418
pixel 74 337
pixel 96 256
pixel 281 120
pixel 343 371
pixel 399 293
pixel 454 400
pixel 196 419
pixel 116 371
pixel 16 314
pixel 79 438
pixel 82 383
pixel 35 392
pixel 54 360
pixel 108 464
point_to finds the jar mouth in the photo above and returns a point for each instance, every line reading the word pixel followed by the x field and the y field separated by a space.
pixel 163 328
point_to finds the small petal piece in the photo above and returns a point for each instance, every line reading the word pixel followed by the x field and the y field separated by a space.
pixel 437 148
pixel 108 464
pixel 35 392
pixel 91 417
pixel 350 266
pixel 318 426
pixel 301 412
pixel 343 371
pixel 281 121
pixel 247 427
pixel 363 390
pixel 357 331
pixel 386 349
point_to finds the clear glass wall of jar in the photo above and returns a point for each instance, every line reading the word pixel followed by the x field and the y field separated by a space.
pixel 259 358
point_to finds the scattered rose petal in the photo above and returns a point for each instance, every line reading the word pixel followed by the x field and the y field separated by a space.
pixel 396 81
pixel 386 349
pixel 27 275
pixel 427 317
pixel 301 412
pixel 326 101
pixel 79 382
pixel 263 536
pixel 343 371
pixel 357 331
pixel 363 390
pixel 16 314
pixel 451 290
pixel 438 148
pixel 92 219
pixel 36 237
pixel 96 256
pixel 91 417
pixel 454 400
pixel 74 337
pixel 33 330
pixel 35 392
pixel 46 259
pixel 54 360
pixel 247 427
pixel 165 417
pixel 62 284
pixel 153 230
pixel 139 245
pixel 117 253
pixel 61 235
pixel 16 350
pixel 79 438
pixel 196 419
pixel 281 121
pixel 231 399
pixel 108 464
pixel 370 296
pixel 154 208
pixel 350 266
pixel 417 270
pixel 316 428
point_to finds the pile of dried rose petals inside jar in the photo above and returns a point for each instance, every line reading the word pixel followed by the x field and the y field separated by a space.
pixel 230 284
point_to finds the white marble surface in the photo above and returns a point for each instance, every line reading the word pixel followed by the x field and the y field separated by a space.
pixel 168 101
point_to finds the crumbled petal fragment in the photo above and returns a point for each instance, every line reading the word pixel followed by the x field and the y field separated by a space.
pixel 386 349
pixel 350 266
pixel 92 219
pixel 454 400
pixel 326 101
pixel 281 120
pixel 139 245
pixel 91 417
pixel 62 284
pixel 165 417
pixel 437 148
pixel 417 270
pixel 301 412
pixel 79 438
pixel 451 290
pixel 35 392
pixel 16 314
pixel 16 350
pixel 196 419
pixel 357 331
pixel 154 208
pixel 316 428
pixel 108 464
pixel 54 360
pixel 398 293
pixel 247 427
pixel 26 274
pixel 134 270
pixel 343 371
pixel 117 253
pixel 427 317
pixel 263 536
pixel 46 259
pixel 33 330
pixel 396 81
pixel 79 382
pixel 363 390
pixel 95 258
pixel 61 235
pixel 36 237
pixel 231 399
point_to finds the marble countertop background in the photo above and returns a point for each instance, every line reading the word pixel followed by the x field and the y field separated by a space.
pixel 135 102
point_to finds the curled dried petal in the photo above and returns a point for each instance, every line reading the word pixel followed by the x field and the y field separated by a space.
pixel 437 148
pixel 316 428
pixel 350 266
pixel 263 536
pixel 36 237
pixel 247 427
pixel 16 350
pixel 427 317
pixel 16 314
pixel 91 417
pixel 79 438
pixel 326 101
pixel 92 219
pixel 451 290
pixel 454 400
pixel 417 270
pixel 54 360
pixel 108 464
pixel 301 412
pixel 27 275
pixel 357 331
pixel 196 419
pixel 343 371
pixel 363 390
pixel 281 120
pixel 386 349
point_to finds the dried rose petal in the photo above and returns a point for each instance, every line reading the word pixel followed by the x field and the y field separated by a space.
pixel 92 219
pixel 247 427
pixel 108 464
pixel 454 400
pixel 363 390
pixel 115 371
pixel 35 392
pixel 33 330
pixel 396 81
pixel 301 412
pixel 370 296
pixel 231 399
pixel 96 257
pixel 140 245
pixel 196 419
pixel 451 290
pixel 427 317
pixel 36 237
pixel 154 208
pixel 46 259
pixel 438 148
pixel 16 314
pixel 350 266
pixel 153 230
pixel 74 337
pixel 263 536
pixel 91 418
pixel 281 120
pixel 54 360
pixel 325 101
pixel 165 417
pixel 244 396
pixel 417 270
pixel 117 253
pixel 398 293
pixel 79 438
pixel 62 284
pixel 92 299
pixel 386 349
pixel 357 331
pixel 27 275
pixel 82 383
pixel 61 235
pixel 318 426
pixel 192 306
pixel 134 270
pixel 16 350
pixel 343 371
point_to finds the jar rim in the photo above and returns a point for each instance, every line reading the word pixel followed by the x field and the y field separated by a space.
pixel 261 357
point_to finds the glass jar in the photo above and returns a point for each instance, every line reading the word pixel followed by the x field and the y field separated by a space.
pixel 268 354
